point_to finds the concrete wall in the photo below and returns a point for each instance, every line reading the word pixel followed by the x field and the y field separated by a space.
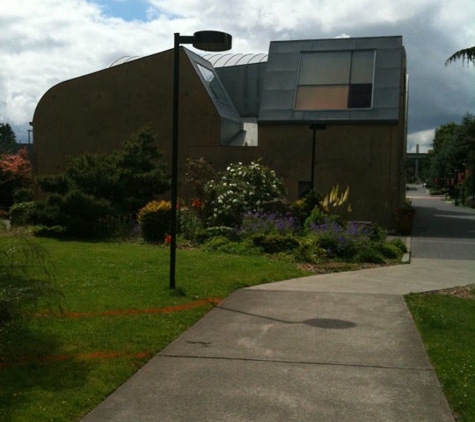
pixel 98 112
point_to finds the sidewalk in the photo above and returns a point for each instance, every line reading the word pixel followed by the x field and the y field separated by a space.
pixel 337 347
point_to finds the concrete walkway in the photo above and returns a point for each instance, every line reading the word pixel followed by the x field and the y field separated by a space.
pixel 338 347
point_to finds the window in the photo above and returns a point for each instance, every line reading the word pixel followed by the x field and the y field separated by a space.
pixel 214 83
pixel 335 80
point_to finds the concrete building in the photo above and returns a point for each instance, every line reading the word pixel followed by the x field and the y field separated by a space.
pixel 327 112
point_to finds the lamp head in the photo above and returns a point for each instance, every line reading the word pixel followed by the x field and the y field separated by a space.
pixel 212 41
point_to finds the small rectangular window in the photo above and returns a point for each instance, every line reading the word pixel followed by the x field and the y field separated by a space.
pixel 360 96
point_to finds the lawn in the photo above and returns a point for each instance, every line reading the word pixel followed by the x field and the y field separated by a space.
pixel 119 312
pixel 446 322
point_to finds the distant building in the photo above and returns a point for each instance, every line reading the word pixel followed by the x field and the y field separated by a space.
pixel 331 111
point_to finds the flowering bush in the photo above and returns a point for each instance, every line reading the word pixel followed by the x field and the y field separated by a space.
pixel 254 222
pixel 154 220
pixel 359 242
pixel 15 174
pixel 241 188
pixel 302 208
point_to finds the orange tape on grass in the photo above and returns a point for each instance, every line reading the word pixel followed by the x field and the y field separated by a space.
pixel 119 312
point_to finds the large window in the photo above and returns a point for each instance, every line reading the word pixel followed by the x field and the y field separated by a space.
pixel 336 80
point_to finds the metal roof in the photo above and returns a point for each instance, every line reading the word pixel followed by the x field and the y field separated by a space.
pixel 123 60
pixel 224 60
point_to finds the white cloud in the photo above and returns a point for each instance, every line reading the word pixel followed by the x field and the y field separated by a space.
pixel 45 42
pixel 423 139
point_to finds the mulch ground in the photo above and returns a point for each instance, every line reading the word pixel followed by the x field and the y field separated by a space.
pixel 465 292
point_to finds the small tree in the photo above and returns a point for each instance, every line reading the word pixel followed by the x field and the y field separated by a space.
pixel 96 187
pixel 15 174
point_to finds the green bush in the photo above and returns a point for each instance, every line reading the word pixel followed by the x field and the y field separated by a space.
pixel 50 231
pixel 302 208
pixel 216 231
pixel 20 213
pixel 368 254
pixel 275 243
pixel 95 187
pixel 389 250
pixel 240 189
pixel 154 220
pixel 22 195
pixel 225 245
pixel 399 244
pixel 81 214
pixel 309 251
pixel 316 217
pixel 189 224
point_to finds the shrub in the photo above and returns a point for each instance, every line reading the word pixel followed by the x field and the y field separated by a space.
pixel 154 220
pixel 370 254
pixel 225 245
pixel 94 187
pixel 275 243
pixel 50 231
pixel 389 250
pixel 266 223
pixel 26 281
pixel 241 188
pixel 189 224
pixel 22 195
pixel 81 214
pixel 309 250
pixel 302 208
pixel 216 231
pixel 20 213
pixel 317 216
pixel 343 241
pixel 399 244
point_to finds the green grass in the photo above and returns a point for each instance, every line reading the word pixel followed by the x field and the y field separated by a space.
pixel 447 327
pixel 57 368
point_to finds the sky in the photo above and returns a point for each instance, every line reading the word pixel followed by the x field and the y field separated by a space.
pixel 45 42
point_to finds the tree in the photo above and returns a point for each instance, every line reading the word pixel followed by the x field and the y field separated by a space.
pixel 7 138
pixel 15 174
pixel 452 161
pixel 99 187
pixel 467 54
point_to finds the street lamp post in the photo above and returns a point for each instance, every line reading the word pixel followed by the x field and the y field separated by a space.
pixel 202 40
pixel 314 127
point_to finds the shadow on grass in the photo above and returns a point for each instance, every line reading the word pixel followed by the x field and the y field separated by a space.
pixel 26 371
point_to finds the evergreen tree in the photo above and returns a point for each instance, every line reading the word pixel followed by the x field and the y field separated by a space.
pixel 7 138
pixel 98 187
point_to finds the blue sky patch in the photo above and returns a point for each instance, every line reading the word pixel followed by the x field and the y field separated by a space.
pixel 128 10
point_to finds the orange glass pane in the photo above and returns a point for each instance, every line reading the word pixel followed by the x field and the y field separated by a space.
pixel 322 97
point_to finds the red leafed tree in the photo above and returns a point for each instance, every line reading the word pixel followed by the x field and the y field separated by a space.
pixel 15 173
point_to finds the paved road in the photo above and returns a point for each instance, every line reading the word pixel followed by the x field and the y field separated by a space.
pixel 331 348
pixel 441 231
